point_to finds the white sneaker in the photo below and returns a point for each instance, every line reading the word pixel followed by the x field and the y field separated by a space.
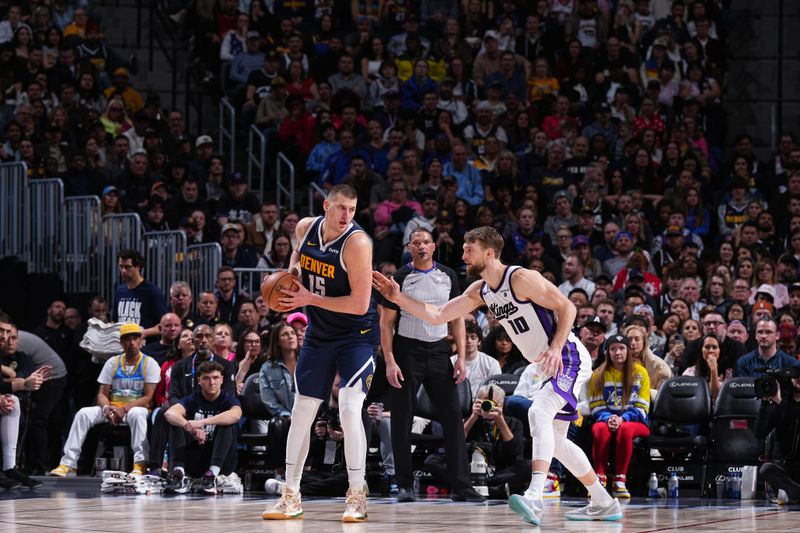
pixel 782 498
pixel 231 484
pixel 528 507
pixel 273 486
pixel 355 506
pixel 592 511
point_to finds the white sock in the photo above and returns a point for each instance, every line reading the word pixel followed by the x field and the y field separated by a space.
pixel 214 470
pixel 598 494
pixel 537 484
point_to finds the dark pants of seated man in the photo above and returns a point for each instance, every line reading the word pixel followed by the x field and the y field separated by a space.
pixel 159 435
pixel 196 459
pixel 517 476
pixel 784 476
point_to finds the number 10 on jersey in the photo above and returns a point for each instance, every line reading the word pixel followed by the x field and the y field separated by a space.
pixel 519 325
pixel 317 284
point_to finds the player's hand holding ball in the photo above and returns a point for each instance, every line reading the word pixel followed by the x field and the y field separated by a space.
pixel 274 289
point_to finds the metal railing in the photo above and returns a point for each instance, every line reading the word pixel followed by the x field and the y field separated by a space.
pixel 256 158
pixel 313 188
pixel 284 188
pixel 118 232
pixel 14 221
pixel 45 213
pixel 203 261
pixel 248 280
pixel 227 117
pixel 79 245
pixel 165 258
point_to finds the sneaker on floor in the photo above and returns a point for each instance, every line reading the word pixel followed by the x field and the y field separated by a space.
pixel 15 474
pixel 8 483
pixel 63 470
pixel 139 469
pixel 405 495
pixel 287 508
pixel 619 490
pixel 274 486
pixel 529 508
pixel 179 484
pixel 208 484
pixel 552 488
pixel 611 512
pixel 231 484
pixel 355 506
pixel 468 495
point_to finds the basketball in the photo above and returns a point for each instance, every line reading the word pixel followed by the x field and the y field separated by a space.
pixel 270 288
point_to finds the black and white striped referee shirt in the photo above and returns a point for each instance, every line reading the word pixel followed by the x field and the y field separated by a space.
pixel 435 286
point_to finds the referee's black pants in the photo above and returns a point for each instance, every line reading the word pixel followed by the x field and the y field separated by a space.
pixel 427 363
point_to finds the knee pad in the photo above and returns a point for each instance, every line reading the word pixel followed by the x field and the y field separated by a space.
pixel 351 399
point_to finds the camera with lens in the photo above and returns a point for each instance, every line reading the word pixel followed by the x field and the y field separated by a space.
pixel 768 385
pixel 487 406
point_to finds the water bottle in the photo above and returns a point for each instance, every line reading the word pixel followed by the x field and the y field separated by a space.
pixel 672 485
pixel 736 485
pixel 417 482
pixel 652 486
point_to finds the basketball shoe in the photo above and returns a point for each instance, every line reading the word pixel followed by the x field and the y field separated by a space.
pixel 287 508
pixel 355 506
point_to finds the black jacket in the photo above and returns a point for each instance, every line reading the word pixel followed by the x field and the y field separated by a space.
pixel 182 380
pixel 784 418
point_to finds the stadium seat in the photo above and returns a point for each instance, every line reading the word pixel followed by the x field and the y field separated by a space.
pixel 678 428
pixel 253 408
pixel 735 413
pixel 507 382
pixel 426 409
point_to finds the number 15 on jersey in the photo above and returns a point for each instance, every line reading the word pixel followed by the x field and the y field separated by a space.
pixel 317 284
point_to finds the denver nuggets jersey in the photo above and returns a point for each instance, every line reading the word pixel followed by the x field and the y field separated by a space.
pixel 530 326
pixel 324 273
pixel 127 388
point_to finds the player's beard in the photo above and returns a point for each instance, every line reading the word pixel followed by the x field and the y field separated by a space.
pixel 476 269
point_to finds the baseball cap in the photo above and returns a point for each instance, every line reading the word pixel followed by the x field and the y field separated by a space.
pixel 483 105
pixel 272 55
pixel 253 35
pixel 561 194
pixel 623 234
pixel 617 339
pixel 673 231
pixel 278 80
pixel 794 286
pixel 229 226
pixel 130 329
pixel 758 306
pixel 109 189
pixel 596 322
pixel 203 139
pixel 491 34
pixel 445 216
pixel 769 290
pixel 297 317
pixel 602 107
pixel 580 240
pixel 236 179
pixel 661 41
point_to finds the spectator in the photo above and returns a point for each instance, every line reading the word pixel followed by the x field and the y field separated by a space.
pixel 498 345
pixel 658 371
pixel 137 300
pixel 170 326
pixel 127 383
pixel 767 355
pixel 468 178
pixel 479 365
pixel 277 386
pixel 210 417
pixel 572 273
pixel 227 297
pixel 53 331
pixel 234 254
pixel 619 392
pixel 347 78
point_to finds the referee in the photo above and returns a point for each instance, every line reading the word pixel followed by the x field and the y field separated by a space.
pixel 418 352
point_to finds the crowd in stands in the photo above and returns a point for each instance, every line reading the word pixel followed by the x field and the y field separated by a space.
pixel 590 133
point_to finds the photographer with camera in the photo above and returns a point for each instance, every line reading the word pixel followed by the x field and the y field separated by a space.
pixel 501 440
pixel 780 411
pixel 767 355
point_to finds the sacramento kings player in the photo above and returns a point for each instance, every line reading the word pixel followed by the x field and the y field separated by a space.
pixel 538 318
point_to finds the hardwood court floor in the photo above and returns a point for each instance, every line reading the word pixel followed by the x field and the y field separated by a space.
pixel 55 508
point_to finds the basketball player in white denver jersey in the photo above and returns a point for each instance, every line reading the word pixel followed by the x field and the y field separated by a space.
pixel 538 318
